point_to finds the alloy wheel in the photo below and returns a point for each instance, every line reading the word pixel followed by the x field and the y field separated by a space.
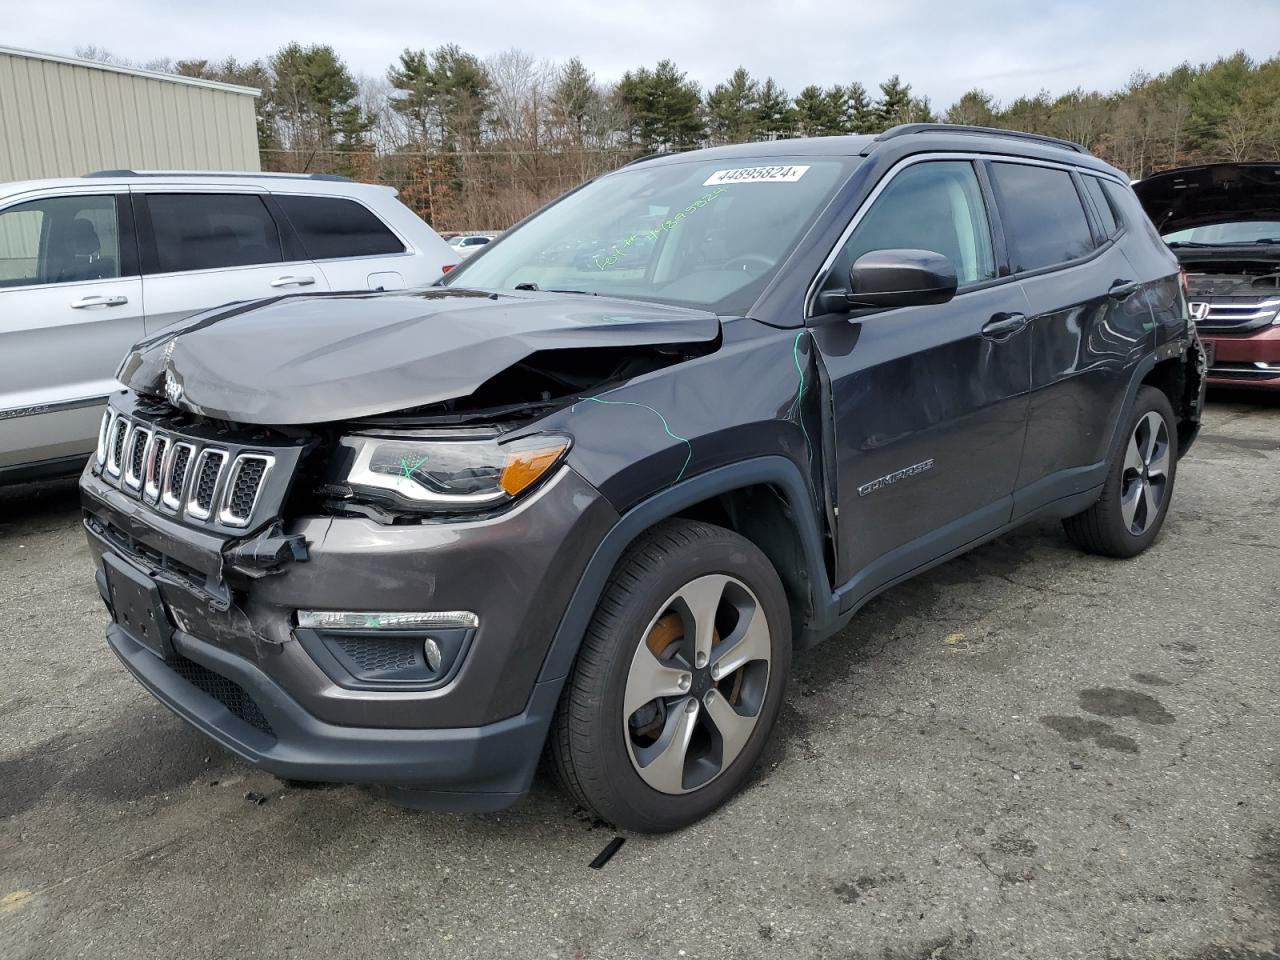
pixel 1144 483
pixel 696 684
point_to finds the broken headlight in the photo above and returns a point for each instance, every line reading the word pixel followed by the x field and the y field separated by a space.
pixel 448 475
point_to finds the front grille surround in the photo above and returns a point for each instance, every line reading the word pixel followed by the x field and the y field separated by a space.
pixel 206 482
pixel 220 477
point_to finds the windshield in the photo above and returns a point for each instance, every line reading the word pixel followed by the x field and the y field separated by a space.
pixel 705 234
pixel 1238 231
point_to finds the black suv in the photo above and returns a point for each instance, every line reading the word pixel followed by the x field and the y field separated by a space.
pixel 593 488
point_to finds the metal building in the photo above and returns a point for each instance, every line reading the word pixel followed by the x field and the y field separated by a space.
pixel 63 117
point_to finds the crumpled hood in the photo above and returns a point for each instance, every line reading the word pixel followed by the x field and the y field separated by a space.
pixel 320 358
pixel 1212 193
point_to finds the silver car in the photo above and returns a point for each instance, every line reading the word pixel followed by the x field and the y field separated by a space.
pixel 89 266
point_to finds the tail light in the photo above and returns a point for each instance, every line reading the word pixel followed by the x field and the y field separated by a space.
pixel 449 266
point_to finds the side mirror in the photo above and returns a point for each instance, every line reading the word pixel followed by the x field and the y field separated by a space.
pixel 901 278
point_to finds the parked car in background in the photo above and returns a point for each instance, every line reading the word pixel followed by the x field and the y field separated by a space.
pixel 468 243
pixel 89 266
pixel 598 505
pixel 1223 222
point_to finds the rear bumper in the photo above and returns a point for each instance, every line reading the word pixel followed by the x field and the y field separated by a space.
pixel 470 769
pixel 1248 360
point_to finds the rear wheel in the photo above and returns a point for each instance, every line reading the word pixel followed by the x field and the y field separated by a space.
pixel 679 680
pixel 1135 499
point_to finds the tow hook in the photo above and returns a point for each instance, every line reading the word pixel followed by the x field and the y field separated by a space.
pixel 267 553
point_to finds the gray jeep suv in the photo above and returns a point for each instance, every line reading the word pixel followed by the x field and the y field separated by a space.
pixel 593 488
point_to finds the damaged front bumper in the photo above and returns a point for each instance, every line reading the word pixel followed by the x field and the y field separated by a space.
pixel 220 646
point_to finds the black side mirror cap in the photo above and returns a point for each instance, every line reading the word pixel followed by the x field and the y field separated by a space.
pixel 901 278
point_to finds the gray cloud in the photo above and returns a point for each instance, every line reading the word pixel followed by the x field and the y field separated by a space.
pixel 941 47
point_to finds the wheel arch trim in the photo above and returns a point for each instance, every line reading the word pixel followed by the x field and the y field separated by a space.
pixel 773 471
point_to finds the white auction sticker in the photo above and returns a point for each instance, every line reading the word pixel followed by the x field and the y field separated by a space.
pixel 784 174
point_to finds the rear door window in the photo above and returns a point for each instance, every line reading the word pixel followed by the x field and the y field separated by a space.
pixel 208 231
pixel 1093 187
pixel 333 228
pixel 59 240
pixel 1043 216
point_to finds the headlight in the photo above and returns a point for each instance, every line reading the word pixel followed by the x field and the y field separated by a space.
pixel 449 475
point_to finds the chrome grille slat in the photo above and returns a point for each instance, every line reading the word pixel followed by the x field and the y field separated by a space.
pixel 206 482
pixel 175 475
pixel 136 456
pixel 157 460
pixel 244 485
pixel 104 434
pixel 115 455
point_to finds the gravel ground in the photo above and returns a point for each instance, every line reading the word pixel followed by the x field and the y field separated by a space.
pixel 1026 753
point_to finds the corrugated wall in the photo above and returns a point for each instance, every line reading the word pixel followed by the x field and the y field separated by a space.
pixel 64 120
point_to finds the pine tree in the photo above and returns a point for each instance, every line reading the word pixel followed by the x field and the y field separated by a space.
pixel 732 108
pixel 774 115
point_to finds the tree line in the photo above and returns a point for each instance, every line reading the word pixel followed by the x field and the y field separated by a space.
pixel 480 142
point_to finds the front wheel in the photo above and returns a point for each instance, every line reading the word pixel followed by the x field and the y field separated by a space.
pixel 679 679
pixel 1135 499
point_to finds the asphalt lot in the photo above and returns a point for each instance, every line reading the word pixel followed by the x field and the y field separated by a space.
pixel 1027 753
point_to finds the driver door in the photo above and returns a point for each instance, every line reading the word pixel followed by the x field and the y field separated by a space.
pixel 930 402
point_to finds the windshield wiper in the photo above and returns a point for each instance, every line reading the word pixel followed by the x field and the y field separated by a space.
pixel 530 285
pixel 1190 243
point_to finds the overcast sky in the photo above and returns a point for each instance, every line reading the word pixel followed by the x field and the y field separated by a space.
pixel 941 47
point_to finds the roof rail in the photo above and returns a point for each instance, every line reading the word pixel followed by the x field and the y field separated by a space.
pixel 651 156
pixel 333 177
pixel 906 129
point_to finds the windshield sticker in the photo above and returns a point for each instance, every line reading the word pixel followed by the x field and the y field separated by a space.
pixel 617 250
pixel 784 174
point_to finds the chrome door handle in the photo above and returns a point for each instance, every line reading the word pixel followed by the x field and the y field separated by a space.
pixel 293 281
pixel 1004 325
pixel 85 302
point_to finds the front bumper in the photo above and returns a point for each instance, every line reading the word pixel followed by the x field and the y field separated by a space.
pixel 239 672
pixel 1246 360
pixel 472 769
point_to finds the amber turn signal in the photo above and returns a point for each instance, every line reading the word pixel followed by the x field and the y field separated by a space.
pixel 528 462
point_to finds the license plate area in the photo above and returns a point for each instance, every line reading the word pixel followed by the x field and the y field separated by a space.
pixel 136 606
pixel 1210 351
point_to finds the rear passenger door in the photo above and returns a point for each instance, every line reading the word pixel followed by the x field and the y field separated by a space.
pixel 70 309
pixel 352 246
pixel 1087 326
pixel 203 249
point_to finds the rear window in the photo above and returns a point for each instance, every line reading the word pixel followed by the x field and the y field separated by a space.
pixel 1101 203
pixel 207 231
pixel 332 228
pixel 1044 220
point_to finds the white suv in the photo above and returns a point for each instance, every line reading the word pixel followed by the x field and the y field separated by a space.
pixel 89 266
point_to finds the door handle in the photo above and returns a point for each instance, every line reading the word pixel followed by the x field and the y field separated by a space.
pixel 293 281
pixel 1004 325
pixel 1123 289
pixel 85 302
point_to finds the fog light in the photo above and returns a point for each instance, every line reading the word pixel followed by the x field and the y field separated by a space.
pixel 431 650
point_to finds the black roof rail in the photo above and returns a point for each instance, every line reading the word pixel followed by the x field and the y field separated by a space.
pixel 332 177
pixel 651 156
pixel 906 129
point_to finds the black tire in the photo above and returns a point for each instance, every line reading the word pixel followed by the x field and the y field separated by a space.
pixel 591 745
pixel 1103 529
